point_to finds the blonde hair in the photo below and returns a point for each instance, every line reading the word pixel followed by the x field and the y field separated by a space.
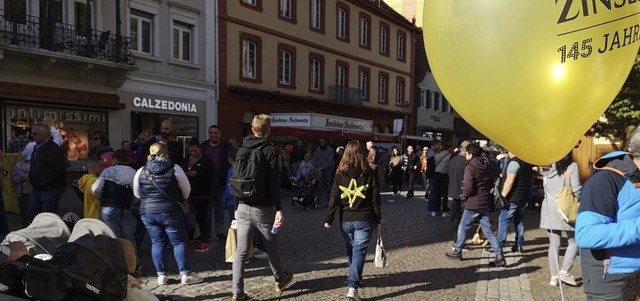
pixel 261 124
pixel 158 149
pixel 353 156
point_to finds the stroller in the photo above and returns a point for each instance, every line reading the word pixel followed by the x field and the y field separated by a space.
pixel 307 186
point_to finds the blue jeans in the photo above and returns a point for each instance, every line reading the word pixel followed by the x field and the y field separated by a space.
pixel 121 222
pixel 514 211
pixel 357 235
pixel 171 225
pixel 44 201
pixel 465 223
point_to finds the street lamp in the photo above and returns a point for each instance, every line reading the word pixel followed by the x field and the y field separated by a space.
pixel 405 107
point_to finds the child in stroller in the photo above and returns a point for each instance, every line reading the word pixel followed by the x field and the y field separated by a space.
pixel 306 194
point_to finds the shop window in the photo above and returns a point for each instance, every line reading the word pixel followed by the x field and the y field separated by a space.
pixel 75 127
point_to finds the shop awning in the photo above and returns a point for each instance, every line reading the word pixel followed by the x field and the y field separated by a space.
pixel 331 134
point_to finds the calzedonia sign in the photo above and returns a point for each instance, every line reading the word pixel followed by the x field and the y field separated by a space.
pixel 321 121
pixel 162 104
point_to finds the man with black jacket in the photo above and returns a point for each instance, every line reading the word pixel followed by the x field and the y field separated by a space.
pixel 216 150
pixel 516 189
pixel 262 214
pixel 47 172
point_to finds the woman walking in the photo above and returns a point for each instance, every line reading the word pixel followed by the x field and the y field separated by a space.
pixel 395 170
pixel 356 195
pixel 161 186
pixel 554 180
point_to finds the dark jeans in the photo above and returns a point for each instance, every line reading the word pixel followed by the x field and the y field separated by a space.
pixel 216 210
pixel 439 187
pixel 172 226
pixel 44 201
pixel 514 211
pixel 199 207
pixel 412 181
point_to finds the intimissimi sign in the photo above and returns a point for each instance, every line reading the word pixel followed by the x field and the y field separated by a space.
pixel 166 105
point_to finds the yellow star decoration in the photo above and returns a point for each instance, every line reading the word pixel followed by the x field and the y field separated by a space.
pixel 352 192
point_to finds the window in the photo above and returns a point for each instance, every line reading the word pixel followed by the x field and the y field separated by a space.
pixel 249 59
pixel 401 46
pixel 317 10
pixel 383 87
pixel 252 4
pixel 286 66
pixel 384 39
pixel 436 101
pixel 429 99
pixel 80 9
pixel 285 8
pixel 342 28
pixel 284 70
pixel 316 73
pixel 400 91
pixel 20 11
pixel 141 31
pixel 364 31
pixel 363 83
pixel 423 98
pixel 181 41
pixel 341 75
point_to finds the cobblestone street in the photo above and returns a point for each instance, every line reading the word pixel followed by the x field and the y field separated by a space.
pixel 418 268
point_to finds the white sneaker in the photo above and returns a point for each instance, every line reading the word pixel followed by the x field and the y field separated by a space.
pixel 258 254
pixel 567 278
pixel 352 294
pixel 434 213
pixel 162 280
pixel 553 281
pixel 190 278
pixel 445 214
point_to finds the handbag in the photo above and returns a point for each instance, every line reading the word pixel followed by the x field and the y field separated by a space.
pixel 568 203
pixel 380 259
pixel 499 201
pixel 184 205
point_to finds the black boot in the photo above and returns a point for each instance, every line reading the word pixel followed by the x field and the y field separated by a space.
pixel 454 255
pixel 499 261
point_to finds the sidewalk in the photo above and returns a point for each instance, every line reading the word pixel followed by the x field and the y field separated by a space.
pixel 418 269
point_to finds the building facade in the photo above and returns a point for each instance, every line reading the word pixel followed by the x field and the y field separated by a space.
pixel 348 59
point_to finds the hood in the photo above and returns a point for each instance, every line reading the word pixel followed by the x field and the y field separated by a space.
pixel 159 165
pixel 354 172
pixel 252 141
pixel 479 163
pixel 619 160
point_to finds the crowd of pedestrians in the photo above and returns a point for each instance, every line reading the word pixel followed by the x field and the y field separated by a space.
pixel 183 200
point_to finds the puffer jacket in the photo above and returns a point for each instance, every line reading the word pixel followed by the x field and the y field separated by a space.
pixel 170 178
pixel 356 195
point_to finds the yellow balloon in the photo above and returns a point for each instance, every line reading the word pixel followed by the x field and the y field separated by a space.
pixel 532 75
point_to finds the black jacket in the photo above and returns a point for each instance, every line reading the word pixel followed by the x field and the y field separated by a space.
pixel 223 161
pixel 272 197
pixel 200 183
pixel 152 199
pixel 346 196
pixel 48 166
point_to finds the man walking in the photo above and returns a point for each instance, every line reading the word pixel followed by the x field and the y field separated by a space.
pixel 607 223
pixel 261 214
pixel 216 150
pixel 47 172
pixel 323 160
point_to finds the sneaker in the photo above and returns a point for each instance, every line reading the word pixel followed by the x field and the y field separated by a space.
pixel 433 213
pixel 190 278
pixel 162 280
pixel 259 254
pixel 288 277
pixel 567 278
pixel 221 237
pixel 295 198
pixel 352 294
pixel 455 254
pixel 202 247
pixel 243 298
pixel 445 214
pixel 553 281
pixel 498 262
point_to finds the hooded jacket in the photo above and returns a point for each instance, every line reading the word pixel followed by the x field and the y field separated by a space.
pixel 477 184
pixel 272 197
pixel 356 195
pixel 607 225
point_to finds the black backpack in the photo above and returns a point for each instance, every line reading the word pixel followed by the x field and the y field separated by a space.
pixel 248 183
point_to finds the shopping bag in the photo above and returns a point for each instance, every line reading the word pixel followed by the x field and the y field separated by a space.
pixel 231 245
pixel 380 260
